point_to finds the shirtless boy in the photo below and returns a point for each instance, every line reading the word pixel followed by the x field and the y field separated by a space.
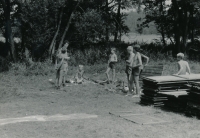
pixel 183 66
pixel 111 64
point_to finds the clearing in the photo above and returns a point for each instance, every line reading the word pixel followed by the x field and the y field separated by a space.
pixel 38 110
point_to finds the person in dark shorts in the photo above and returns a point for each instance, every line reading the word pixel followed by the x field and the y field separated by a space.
pixel 128 70
pixel 111 65
pixel 136 64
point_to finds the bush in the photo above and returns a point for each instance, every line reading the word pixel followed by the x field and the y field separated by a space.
pixel 4 64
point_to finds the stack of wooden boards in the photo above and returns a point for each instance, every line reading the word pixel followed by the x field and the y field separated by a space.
pixel 158 90
pixel 193 105
pixel 176 100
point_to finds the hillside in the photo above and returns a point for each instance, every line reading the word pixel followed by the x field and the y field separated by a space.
pixel 132 22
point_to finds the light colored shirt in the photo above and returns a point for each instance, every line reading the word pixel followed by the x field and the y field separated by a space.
pixel 62 61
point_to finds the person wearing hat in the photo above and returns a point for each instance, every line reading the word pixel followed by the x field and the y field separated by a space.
pixel 61 66
pixel 136 64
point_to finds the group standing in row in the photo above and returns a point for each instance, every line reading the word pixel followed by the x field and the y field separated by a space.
pixel 134 67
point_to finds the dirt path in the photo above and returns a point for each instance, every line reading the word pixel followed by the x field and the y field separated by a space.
pixel 41 99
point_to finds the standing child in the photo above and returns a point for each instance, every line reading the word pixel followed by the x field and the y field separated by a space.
pixel 183 66
pixel 129 69
pixel 111 64
pixel 61 66
pixel 137 63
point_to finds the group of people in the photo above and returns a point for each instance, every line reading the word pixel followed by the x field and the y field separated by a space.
pixel 134 67
pixel 61 67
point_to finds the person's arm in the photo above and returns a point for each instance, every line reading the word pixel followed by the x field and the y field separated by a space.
pixel 109 60
pixel 180 69
pixel 115 58
pixel 66 56
pixel 130 59
pixel 140 61
pixel 147 59
pixel 188 68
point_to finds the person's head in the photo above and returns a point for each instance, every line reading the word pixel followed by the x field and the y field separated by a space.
pixel 129 49
pixel 136 48
pixel 180 56
pixel 113 50
pixel 80 67
pixel 63 50
pixel 66 44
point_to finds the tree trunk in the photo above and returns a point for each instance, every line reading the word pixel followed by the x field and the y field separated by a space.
pixel 162 25
pixel 193 24
pixel 8 29
pixel 107 30
pixel 185 29
pixel 55 36
pixel 117 20
pixel 177 28
pixel 67 27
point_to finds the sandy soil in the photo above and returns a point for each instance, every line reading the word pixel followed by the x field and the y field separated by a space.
pixel 22 96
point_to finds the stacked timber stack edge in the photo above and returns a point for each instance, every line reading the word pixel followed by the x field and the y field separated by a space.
pixel 176 100
pixel 193 105
pixel 161 90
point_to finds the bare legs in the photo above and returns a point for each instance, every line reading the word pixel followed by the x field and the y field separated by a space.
pixel 113 74
pixel 130 84
pixel 60 78
pixel 136 80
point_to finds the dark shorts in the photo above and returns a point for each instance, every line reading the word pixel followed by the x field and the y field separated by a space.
pixel 128 70
pixel 112 65
pixel 136 72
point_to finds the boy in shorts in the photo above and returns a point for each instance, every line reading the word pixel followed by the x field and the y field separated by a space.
pixel 183 66
pixel 111 64
pixel 129 69
pixel 136 64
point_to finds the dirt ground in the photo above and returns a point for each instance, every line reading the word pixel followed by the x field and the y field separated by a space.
pixel 34 95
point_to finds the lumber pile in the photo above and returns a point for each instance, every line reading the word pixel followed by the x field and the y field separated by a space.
pixel 193 105
pixel 166 90
pixel 176 100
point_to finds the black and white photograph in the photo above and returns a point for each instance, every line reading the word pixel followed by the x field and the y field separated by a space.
pixel 99 68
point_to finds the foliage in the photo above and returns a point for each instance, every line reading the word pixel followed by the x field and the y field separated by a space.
pixel 175 21
pixel 90 26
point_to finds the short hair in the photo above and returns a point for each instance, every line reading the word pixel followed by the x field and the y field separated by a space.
pixel 137 47
pixel 181 55
pixel 113 48
pixel 66 41
pixel 80 67
pixel 130 48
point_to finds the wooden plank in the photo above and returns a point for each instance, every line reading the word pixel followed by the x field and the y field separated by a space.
pixel 151 73
pixel 144 119
pixel 151 70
